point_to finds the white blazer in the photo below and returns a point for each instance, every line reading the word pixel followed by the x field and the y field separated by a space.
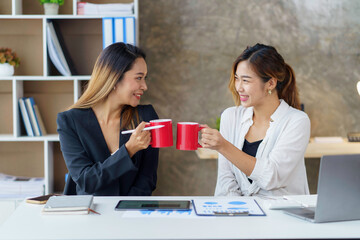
pixel 280 165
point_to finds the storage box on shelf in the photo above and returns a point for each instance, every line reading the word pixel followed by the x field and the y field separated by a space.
pixel 23 28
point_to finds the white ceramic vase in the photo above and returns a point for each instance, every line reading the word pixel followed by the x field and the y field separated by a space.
pixel 6 70
pixel 51 8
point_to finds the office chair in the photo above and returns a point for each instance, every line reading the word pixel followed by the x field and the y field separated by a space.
pixel 70 186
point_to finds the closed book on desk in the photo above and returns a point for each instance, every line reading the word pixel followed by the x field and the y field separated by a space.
pixel 78 204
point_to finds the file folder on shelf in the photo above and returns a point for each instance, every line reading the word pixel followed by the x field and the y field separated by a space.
pixel 119 29
pixel 108 30
pixel 130 30
pixel 57 51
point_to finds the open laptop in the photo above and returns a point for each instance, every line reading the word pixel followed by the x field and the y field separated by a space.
pixel 338 191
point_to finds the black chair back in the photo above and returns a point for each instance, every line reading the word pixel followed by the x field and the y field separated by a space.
pixel 70 186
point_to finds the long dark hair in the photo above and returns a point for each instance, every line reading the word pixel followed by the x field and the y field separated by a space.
pixel 111 65
pixel 267 63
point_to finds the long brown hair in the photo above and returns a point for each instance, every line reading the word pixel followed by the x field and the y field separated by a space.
pixel 267 63
pixel 110 67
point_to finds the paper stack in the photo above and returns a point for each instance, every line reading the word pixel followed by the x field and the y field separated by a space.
pixel 113 9
pixel 20 187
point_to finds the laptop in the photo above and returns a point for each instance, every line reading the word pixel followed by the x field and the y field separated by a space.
pixel 338 191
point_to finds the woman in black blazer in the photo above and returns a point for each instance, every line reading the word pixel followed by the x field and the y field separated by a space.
pixel 101 160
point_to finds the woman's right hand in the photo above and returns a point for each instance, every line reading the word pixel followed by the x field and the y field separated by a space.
pixel 139 140
pixel 211 138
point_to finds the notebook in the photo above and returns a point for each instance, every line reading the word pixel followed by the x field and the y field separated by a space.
pixel 338 191
pixel 75 204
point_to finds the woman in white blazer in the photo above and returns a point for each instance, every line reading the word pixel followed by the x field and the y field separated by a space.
pixel 263 139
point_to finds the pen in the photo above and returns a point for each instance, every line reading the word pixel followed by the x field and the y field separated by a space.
pixel 147 128
pixel 244 213
pixel 93 211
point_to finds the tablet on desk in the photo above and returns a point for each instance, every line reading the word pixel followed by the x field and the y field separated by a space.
pixel 153 205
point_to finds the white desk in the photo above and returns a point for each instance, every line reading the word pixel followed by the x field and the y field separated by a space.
pixel 28 223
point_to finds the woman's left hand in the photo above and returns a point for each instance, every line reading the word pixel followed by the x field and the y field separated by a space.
pixel 211 138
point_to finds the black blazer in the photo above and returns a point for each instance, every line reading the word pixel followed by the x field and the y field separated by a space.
pixel 92 168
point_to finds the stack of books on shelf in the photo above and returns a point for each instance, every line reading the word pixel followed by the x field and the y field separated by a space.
pixel 32 119
pixel 85 8
pixel 20 187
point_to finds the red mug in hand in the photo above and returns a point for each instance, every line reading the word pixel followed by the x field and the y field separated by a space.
pixel 188 136
pixel 161 137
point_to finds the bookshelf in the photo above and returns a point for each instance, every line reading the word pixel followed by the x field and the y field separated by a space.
pixel 23 28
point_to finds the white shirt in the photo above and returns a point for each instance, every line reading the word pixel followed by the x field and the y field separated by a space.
pixel 280 165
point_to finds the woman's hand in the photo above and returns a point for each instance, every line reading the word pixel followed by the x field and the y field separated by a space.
pixel 139 140
pixel 211 138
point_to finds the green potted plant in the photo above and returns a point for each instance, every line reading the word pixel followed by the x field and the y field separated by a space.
pixel 8 60
pixel 51 7
pixel 217 123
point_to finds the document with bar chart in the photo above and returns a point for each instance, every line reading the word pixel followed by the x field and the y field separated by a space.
pixel 227 207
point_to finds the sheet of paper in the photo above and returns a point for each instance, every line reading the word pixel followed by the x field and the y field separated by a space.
pixel 228 205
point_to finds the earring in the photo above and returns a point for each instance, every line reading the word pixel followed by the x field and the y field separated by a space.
pixel 269 91
pixel 114 87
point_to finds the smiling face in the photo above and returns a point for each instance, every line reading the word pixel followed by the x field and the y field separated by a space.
pixel 250 87
pixel 133 85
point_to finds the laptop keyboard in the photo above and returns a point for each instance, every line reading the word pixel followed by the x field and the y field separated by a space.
pixel 308 214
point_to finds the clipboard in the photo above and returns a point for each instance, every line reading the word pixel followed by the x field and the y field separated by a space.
pixel 227 207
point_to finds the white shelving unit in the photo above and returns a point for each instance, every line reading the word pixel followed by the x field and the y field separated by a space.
pixel 23 27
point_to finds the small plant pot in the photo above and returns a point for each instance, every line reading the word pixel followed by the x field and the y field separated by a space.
pixel 51 8
pixel 6 70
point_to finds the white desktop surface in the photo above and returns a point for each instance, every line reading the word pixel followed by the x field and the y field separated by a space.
pixel 28 223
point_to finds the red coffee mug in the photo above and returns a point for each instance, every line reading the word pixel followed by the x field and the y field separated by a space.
pixel 161 137
pixel 188 136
